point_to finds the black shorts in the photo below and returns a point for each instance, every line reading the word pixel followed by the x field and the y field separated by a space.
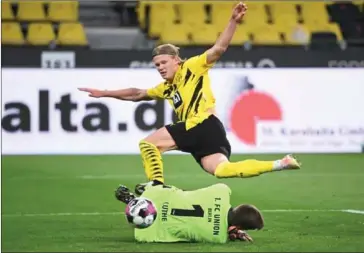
pixel 206 138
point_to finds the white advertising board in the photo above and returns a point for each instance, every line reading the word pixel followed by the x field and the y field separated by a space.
pixel 263 110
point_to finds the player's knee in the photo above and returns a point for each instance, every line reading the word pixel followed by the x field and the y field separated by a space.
pixel 145 143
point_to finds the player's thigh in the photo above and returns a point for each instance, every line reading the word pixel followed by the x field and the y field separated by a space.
pixel 162 139
pixel 210 162
pixel 184 139
pixel 214 146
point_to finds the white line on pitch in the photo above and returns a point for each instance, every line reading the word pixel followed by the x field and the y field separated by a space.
pixel 353 211
pixel 119 213
pixel 59 214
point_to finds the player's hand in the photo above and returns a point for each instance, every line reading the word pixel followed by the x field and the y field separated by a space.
pixel 123 194
pixel 237 234
pixel 239 12
pixel 243 236
pixel 93 92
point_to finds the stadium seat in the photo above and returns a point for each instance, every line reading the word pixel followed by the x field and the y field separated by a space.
pixel 323 41
pixel 40 34
pixel 241 35
pixel 161 13
pixel 221 12
pixel 342 12
pixel 192 13
pixel 63 11
pixel 284 13
pixel 266 34
pixel 11 34
pixel 176 34
pixel 31 11
pixel 6 11
pixel 205 35
pixel 294 34
pixel 140 10
pixel 72 34
pixel 314 13
pixel 332 28
pixel 354 31
pixel 256 15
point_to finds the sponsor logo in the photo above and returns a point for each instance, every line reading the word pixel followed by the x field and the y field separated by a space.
pixel 250 108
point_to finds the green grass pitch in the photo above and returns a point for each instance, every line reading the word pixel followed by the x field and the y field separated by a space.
pixel 66 203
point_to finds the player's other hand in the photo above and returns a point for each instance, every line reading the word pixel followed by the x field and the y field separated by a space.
pixel 93 92
pixel 239 12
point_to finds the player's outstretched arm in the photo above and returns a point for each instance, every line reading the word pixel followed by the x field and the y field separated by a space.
pixel 130 94
pixel 222 43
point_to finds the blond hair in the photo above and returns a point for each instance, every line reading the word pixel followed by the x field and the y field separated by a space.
pixel 168 49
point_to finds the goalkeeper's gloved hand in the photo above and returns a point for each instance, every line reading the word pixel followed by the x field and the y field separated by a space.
pixel 237 234
pixel 123 194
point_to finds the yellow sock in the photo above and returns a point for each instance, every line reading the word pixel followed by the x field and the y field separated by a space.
pixel 246 168
pixel 152 161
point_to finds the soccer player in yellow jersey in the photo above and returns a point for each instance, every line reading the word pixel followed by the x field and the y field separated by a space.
pixel 198 131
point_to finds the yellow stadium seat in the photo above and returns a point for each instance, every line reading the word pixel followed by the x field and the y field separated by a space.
pixel 175 34
pixel 140 10
pixel 40 34
pixel 241 35
pixel 283 12
pixel 11 34
pixel 295 34
pixel 6 11
pixel 332 27
pixel 221 13
pixel 72 34
pixel 256 14
pixel 31 11
pixel 161 13
pixel 205 35
pixel 314 13
pixel 63 11
pixel 267 34
pixel 192 13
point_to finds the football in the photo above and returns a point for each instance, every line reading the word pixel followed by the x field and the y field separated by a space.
pixel 141 212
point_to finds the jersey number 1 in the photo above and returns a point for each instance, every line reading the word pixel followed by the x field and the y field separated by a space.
pixel 196 212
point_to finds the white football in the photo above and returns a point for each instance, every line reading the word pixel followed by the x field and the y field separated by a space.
pixel 141 212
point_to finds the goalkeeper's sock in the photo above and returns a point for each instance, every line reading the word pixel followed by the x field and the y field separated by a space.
pixel 152 161
pixel 246 168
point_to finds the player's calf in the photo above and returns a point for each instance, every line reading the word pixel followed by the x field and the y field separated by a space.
pixel 251 167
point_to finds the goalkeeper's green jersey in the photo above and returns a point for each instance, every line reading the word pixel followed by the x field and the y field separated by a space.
pixel 193 216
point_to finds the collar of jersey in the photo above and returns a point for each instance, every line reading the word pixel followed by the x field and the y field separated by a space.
pixel 179 68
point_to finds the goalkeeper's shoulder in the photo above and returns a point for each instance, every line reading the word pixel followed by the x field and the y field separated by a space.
pixel 222 186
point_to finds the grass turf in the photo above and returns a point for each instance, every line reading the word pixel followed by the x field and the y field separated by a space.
pixel 69 203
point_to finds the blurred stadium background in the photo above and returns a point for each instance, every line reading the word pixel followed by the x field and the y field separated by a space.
pixel 140 24
pixel 63 154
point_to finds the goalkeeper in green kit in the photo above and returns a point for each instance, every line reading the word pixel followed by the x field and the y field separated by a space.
pixel 203 215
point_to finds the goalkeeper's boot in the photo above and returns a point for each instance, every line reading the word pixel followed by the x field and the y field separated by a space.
pixel 290 163
pixel 123 194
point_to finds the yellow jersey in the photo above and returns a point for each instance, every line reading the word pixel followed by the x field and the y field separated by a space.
pixel 190 93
